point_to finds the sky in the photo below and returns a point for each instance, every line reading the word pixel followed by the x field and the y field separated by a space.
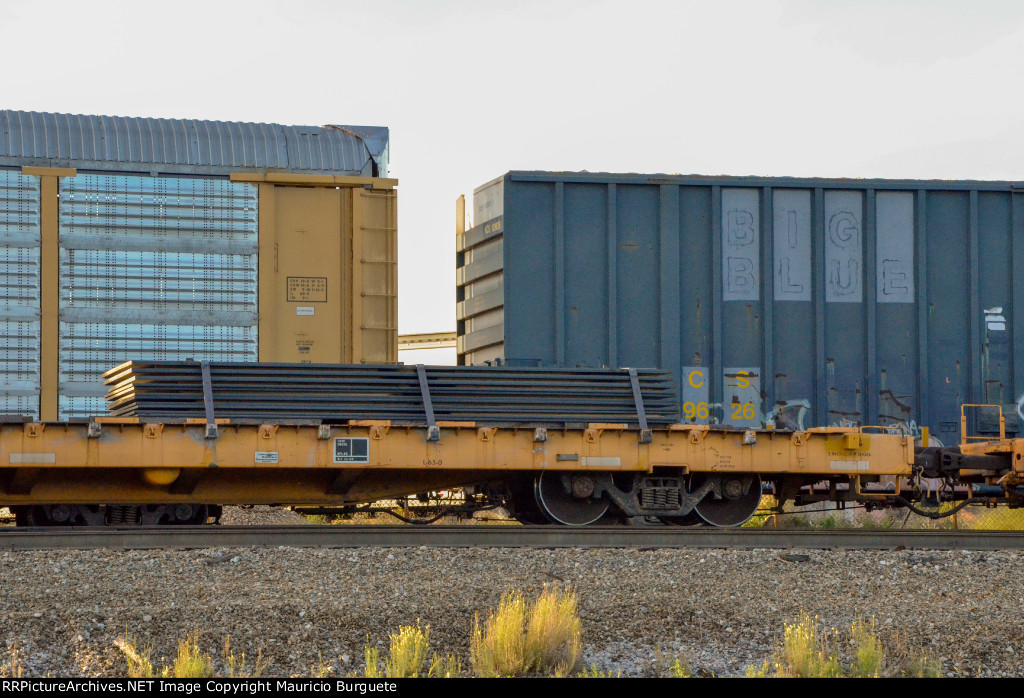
pixel 472 89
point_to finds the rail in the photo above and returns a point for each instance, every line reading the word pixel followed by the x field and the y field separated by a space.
pixel 497 536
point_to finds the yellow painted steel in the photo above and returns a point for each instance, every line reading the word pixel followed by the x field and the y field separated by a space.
pixel 49 282
pixel 374 276
pixel 964 437
pixel 328 282
pixel 460 215
pixel 117 461
pixel 267 279
pixel 1013 448
pixel 312 180
pixel 426 340
pixel 49 171
pixel 49 298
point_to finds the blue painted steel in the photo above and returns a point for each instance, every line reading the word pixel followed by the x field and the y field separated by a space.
pixel 188 146
pixel 786 301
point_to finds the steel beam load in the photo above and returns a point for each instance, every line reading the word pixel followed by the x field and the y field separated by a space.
pixel 336 393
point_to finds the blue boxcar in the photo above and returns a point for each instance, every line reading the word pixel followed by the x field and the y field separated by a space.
pixel 784 301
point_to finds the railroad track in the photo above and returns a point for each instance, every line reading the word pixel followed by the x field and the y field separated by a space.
pixel 169 537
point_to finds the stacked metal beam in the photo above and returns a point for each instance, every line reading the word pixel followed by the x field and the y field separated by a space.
pixel 273 392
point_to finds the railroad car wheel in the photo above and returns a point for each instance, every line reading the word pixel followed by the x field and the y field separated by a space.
pixel 733 499
pixel 190 514
pixel 565 498
pixel 39 516
pixel 523 503
pixel 532 518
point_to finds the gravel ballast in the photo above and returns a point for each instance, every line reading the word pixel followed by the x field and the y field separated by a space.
pixel 261 515
pixel 721 611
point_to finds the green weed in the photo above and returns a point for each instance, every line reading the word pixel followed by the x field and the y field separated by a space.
pixel 594 673
pixel 805 651
pixel 140 663
pixel 868 653
pixel 448 667
pixel 758 672
pixel 14 667
pixel 407 651
pixel 237 665
pixel 189 663
pixel 519 638
pixel 372 663
pixel 922 665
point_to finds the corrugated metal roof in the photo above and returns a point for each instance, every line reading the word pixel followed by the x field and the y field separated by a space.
pixel 188 146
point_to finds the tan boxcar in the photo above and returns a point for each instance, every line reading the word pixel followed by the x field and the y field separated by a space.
pixel 328 282
pixel 174 239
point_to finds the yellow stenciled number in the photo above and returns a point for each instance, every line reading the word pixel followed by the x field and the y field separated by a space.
pixel 744 410
pixel 697 410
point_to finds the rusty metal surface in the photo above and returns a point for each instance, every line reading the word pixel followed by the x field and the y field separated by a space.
pixel 282 392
